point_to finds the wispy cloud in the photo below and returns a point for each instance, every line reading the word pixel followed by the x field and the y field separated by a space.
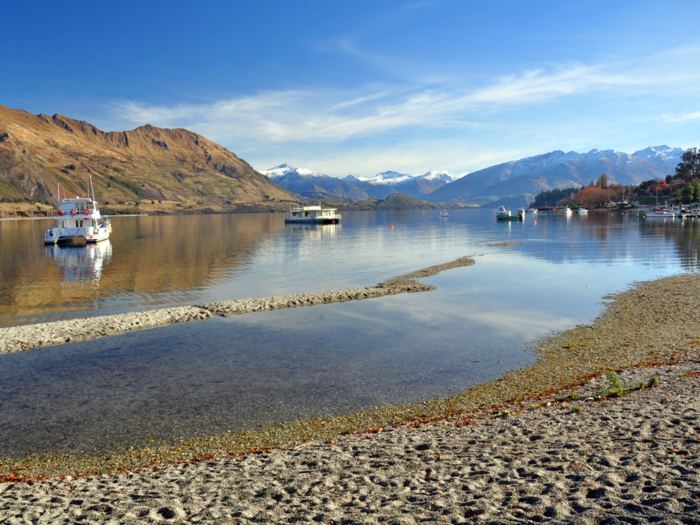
pixel 302 115
pixel 684 117
pixel 335 121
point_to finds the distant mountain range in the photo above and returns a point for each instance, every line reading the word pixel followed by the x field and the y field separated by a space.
pixel 527 177
pixel 515 181
pixel 315 185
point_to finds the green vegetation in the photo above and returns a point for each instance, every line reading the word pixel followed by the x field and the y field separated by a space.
pixel 617 389
pixel 551 197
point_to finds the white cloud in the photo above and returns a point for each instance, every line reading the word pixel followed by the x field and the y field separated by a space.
pixel 275 126
pixel 683 117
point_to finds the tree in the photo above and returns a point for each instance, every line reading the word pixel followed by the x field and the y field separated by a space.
pixel 603 182
pixel 595 197
pixel 691 192
pixel 689 167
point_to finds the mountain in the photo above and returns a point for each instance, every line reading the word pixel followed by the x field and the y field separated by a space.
pixel 147 163
pixel 376 191
pixel 384 184
pixel 313 185
pixel 558 170
pixel 399 201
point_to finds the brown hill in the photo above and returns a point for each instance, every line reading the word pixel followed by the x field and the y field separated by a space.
pixel 145 164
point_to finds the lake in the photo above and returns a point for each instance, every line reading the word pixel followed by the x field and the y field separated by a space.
pixel 226 374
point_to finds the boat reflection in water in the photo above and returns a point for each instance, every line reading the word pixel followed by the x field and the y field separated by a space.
pixel 314 230
pixel 80 268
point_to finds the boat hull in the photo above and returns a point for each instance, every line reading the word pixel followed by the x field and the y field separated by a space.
pixel 509 218
pixel 312 221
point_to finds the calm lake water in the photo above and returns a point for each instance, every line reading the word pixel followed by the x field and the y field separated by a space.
pixel 226 374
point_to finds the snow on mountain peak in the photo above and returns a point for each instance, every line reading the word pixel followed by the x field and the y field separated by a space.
pixel 285 169
pixel 659 152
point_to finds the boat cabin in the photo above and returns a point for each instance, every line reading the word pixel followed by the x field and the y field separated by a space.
pixel 314 214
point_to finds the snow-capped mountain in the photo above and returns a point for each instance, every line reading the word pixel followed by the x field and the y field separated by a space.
pixel 388 182
pixel 663 153
pixel 312 184
pixel 559 169
pixel 286 169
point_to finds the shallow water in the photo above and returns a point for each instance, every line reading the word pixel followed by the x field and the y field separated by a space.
pixel 223 374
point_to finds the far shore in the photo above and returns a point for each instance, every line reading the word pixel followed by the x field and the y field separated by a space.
pixel 40 211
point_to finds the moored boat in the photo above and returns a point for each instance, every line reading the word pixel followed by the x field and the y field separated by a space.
pixel 312 214
pixel 78 220
pixel 444 213
pixel 660 213
pixel 502 214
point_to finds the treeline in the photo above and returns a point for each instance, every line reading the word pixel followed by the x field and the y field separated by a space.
pixel 683 186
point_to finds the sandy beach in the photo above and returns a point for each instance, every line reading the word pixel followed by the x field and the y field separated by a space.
pixel 557 442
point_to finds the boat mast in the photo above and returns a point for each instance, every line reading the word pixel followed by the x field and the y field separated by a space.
pixel 58 195
pixel 92 187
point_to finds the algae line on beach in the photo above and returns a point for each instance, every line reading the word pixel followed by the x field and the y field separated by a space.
pixel 626 334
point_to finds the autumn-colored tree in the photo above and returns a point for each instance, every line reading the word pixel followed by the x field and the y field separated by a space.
pixel 595 197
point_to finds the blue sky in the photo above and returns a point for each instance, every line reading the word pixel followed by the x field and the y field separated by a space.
pixel 358 87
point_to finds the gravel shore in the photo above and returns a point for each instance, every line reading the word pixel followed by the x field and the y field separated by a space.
pixel 559 442
pixel 630 459
pixel 26 337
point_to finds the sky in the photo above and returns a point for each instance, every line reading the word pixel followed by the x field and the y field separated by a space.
pixel 360 87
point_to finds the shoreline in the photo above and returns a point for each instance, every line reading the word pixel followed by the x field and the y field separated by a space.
pixel 626 335
pixel 26 337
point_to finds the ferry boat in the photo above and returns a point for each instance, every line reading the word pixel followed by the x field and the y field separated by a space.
pixel 78 220
pixel 312 214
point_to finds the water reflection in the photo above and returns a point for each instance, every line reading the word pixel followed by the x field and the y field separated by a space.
pixel 166 261
pixel 148 262
pixel 81 263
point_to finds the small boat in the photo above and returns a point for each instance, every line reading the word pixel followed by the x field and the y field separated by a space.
pixel 78 221
pixel 444 213
pixel 312 214
pixel 660 213
pixel 582 211
pixel 504 215
pixel 550 210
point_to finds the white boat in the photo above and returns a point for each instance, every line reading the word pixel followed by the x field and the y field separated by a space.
pixel 444 213
pixel 78 219
pixel 660 213
pixel 582 211
pixel 312 214
pixel 547 210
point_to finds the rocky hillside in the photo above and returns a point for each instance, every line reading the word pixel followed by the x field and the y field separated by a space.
pixel 146 164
